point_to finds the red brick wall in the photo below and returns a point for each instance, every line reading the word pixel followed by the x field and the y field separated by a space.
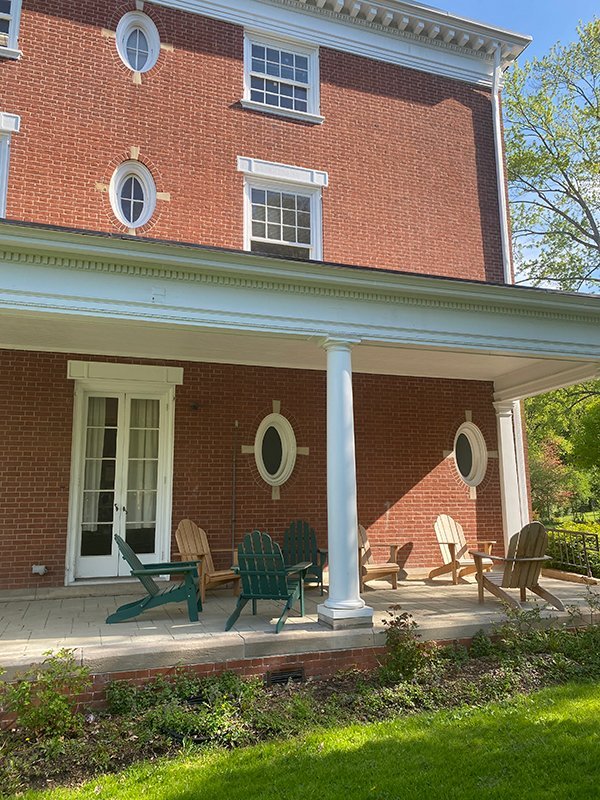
pixel 409 155
pixel 403 426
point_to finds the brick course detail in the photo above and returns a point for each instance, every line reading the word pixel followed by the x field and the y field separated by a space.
pixel 410 155
pixel 403 426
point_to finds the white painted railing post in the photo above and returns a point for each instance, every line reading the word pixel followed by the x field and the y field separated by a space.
pixel 509 480
pixel 344 607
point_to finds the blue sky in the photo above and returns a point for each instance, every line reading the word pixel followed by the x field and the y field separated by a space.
pixel 548 21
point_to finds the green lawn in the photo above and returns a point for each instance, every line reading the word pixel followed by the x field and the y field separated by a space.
pixel 544 746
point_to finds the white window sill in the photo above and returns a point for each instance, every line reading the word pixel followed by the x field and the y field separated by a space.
pixel 313 119
pixel 9 52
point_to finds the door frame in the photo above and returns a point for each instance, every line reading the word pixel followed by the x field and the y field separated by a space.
pixel 99 377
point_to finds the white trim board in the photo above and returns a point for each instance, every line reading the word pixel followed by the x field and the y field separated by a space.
pixel 408 35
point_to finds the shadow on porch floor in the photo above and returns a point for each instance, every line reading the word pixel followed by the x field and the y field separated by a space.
pixel 165 637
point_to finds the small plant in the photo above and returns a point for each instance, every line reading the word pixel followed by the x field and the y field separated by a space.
pixel 43 698
pixel 405 655
pixel 481 645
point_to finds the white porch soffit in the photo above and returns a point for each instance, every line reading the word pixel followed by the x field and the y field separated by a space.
pixel 396 31
pixel 74 292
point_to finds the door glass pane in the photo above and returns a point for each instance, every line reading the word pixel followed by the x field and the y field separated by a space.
pixel 99 476
pixel 142 475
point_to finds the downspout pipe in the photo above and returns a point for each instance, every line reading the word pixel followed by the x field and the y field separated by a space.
pixel 499 154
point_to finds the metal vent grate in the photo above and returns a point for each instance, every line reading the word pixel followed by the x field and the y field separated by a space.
pixel 283 676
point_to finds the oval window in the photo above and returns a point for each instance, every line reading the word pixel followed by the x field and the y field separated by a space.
pixel 272 450
pixel 137 49
pixel 132 194
pixel 275 449
pixel 470 454
pixel 138 41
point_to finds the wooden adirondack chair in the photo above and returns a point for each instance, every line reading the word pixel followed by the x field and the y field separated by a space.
pixel 265 577
pixel 192 543
pixel 523 564
pixel 371 571
pixel 454 547
pixel 300 545
pixel 186 591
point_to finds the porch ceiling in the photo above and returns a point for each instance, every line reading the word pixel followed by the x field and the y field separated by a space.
pixel 82 335
pixel 77 292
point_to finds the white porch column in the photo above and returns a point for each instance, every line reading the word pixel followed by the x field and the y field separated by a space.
pixel 509 478
pixel 344 607
pixel 521 462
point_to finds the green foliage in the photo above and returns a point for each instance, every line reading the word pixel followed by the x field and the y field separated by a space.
pixel 124 698
pixel 217 724
pixel 552 109
pixel 405 655
pixel 43 697
pixel 563 450
pixel 481 645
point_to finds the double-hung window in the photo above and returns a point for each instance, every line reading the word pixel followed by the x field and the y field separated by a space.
pixel 281 78
pixel 9 124
pixel 10 16
pixel 282 209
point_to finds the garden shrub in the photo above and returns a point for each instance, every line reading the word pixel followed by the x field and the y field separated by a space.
pixel 405 654
pixel 43 699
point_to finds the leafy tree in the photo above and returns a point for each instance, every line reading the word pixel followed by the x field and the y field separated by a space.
pixel 586 442
pixel 552 110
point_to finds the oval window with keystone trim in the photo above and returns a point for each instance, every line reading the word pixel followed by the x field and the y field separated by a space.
pixel 132 193
pixel 275 449
pixel 138 41
pixel 470 454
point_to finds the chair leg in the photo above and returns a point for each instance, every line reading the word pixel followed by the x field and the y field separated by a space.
pixel 394 580
pixel 194 600
pixel 128 611
pixel 236 612
pixel 254 606
pixel 439 571
pixel 523 593
pixel 455 573
pixel 480 588
pixel 301 598
pixel 548 596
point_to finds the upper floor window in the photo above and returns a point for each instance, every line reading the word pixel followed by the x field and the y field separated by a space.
pixel 9 124
pixel 10 16
pixel 281 78
pixel 138 41
pixel 282 209
pixel 132 194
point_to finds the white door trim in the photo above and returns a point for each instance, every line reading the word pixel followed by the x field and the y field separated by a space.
pixel 162 390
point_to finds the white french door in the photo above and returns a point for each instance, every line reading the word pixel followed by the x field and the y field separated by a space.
pixel 121 484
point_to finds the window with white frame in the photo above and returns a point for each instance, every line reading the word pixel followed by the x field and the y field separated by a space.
pixel 281 77
pixel 9 124
pixel 138 41
pixel 132 194
pixel 470 454
pixel 282 209
pixel 10 17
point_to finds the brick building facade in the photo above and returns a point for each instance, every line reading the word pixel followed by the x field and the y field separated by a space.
pixel 380 125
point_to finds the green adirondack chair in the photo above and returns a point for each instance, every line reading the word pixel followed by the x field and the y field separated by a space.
pixel 300 544
pixel 187 590
pixel 265 577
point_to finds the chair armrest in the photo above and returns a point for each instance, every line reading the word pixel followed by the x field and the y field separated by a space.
pixel 169 565
pixel 483 545
pixel 298 567
pixel 172 569
pixel 484 554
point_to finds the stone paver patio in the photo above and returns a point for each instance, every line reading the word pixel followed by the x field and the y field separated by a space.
pixel 165 637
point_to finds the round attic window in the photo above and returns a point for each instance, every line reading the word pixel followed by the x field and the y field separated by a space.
pixel 275 449
pixel 138 41
pixel 470 454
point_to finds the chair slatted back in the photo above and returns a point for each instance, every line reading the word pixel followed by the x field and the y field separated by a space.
pixel 192 543
pixel 366 554
pixel 449 531
pixel 262 568
pixel 529 542
pixel 134 563
pixel 299 543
